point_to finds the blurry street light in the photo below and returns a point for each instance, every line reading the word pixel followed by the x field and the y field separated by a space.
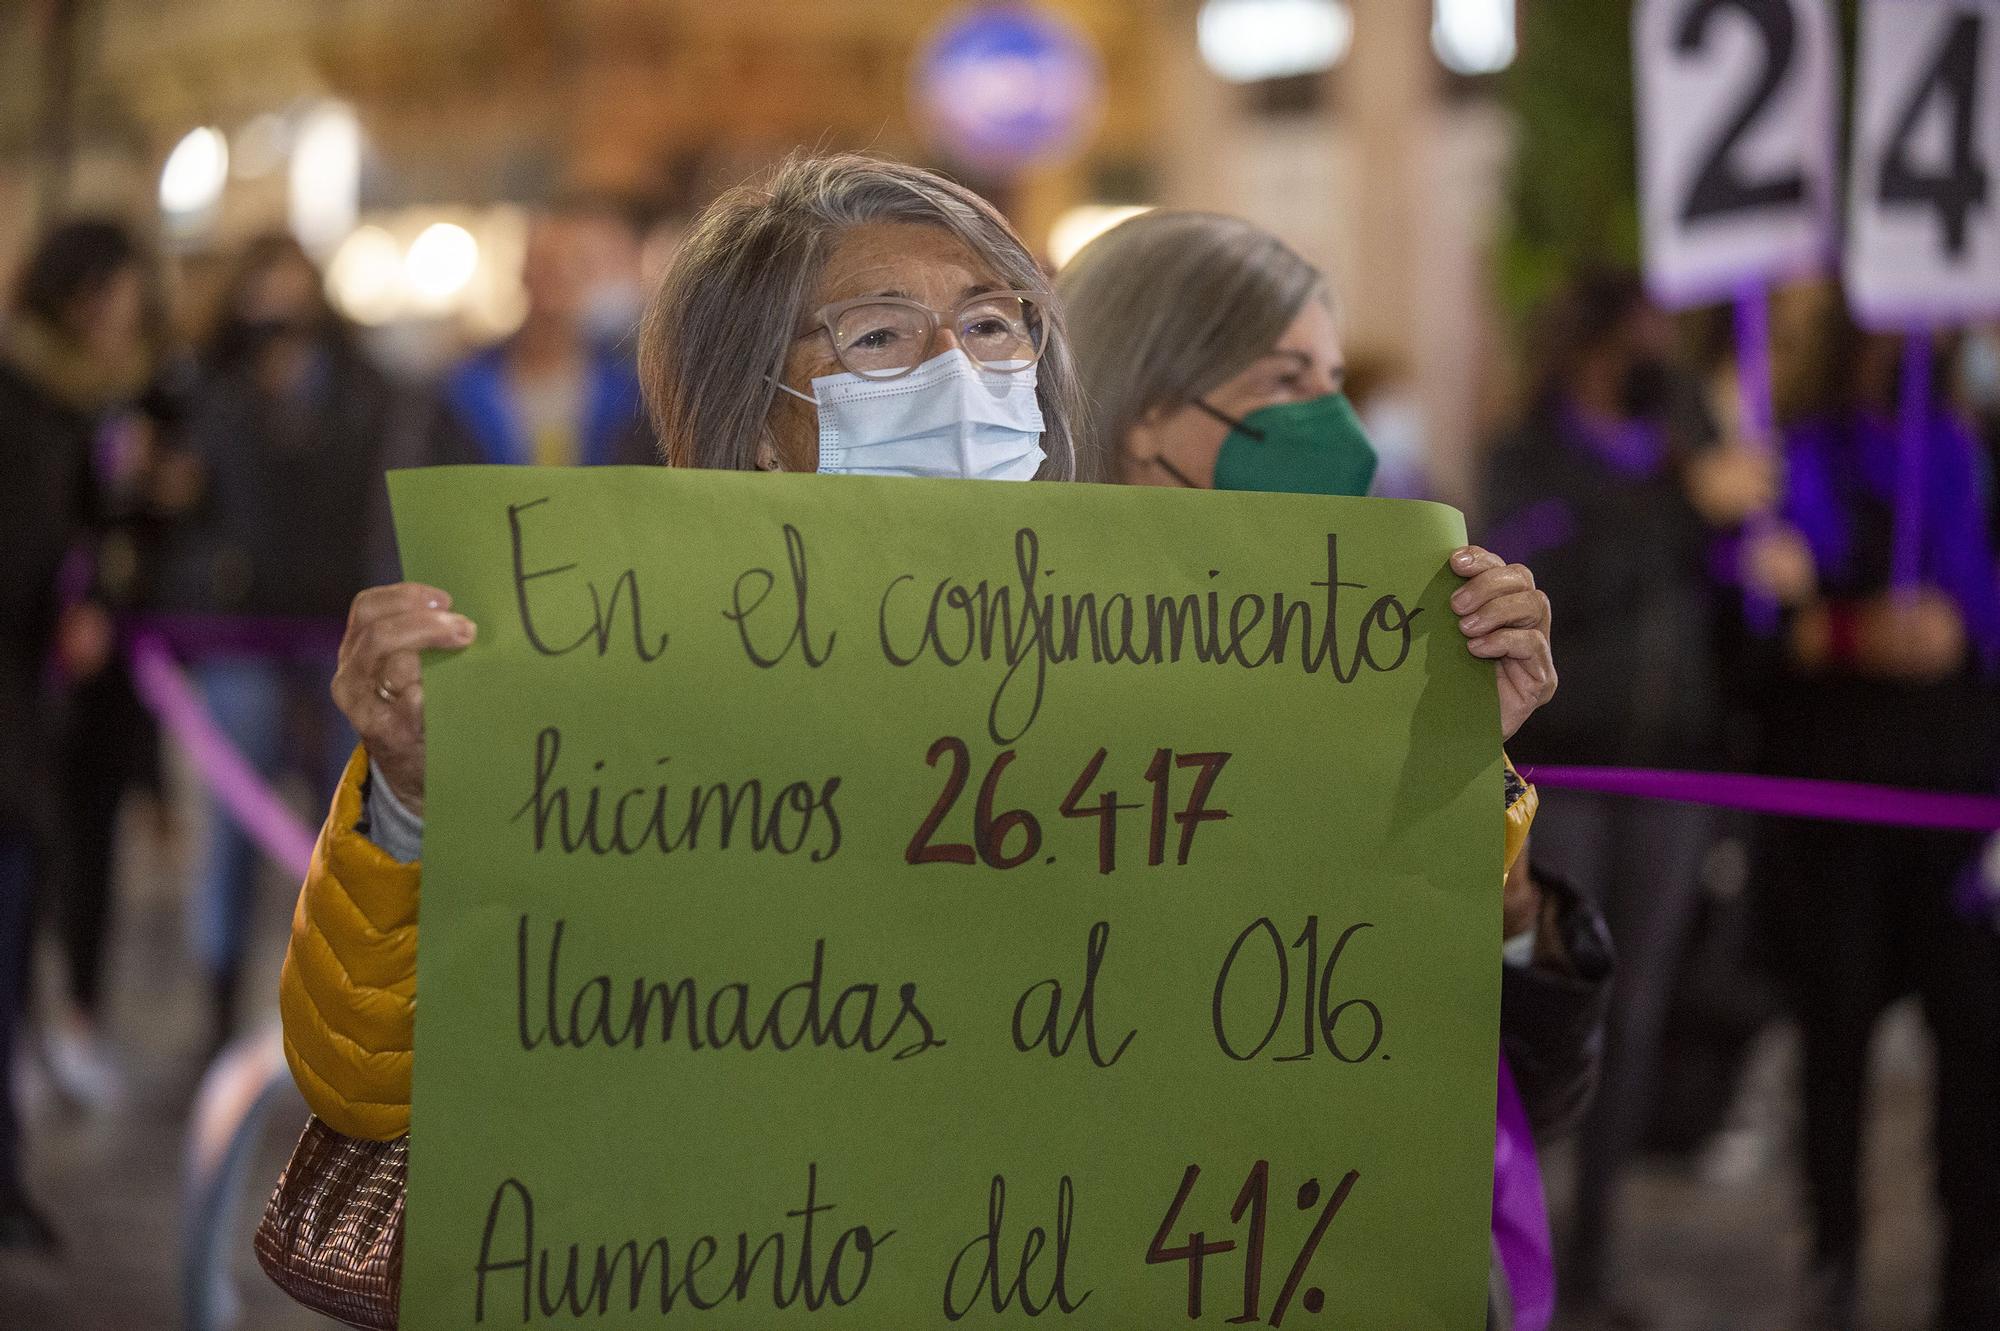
pixel 326 177
pixel 260 147
pixel 1078 226
pixel 365 276
pixel 191 183
pixel 1473 36
pixel 1248 40
pixel 441 261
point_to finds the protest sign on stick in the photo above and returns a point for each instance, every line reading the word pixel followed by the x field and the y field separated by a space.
pixel 1923 234
pixel 1737 125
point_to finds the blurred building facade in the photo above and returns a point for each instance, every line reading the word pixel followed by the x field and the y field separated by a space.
pixel 1386 169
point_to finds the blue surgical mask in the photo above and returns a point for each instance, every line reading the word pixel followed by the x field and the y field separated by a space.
pixel 947 417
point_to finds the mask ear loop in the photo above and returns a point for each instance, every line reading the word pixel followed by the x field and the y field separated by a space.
pixel 1160 461
pixel 1174 472
pixel 771 443
pixel 1231 421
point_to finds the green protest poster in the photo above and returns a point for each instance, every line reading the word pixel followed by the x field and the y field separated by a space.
pixel 882 903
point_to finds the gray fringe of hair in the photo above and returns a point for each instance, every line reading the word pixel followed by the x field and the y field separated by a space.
pixel 718 330
pixel 1169 305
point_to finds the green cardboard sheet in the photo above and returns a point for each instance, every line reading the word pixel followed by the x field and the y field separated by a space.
pixel 856 902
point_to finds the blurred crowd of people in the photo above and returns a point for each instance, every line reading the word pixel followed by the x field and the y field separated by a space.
pixel 228 485
pixel 1731 601
pixel 1725 600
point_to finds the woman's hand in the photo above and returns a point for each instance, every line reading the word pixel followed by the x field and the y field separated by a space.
pixel 1505 620
pixel 85 640
pixel 1730 482
pixel 1917 638
pixel 379 683
pixel 1778 562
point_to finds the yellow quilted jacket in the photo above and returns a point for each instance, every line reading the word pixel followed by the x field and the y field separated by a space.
pixel 348 992
pixel 349 988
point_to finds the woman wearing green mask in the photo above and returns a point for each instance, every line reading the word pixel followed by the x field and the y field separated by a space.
pixel 1212 359
pixel 1210 353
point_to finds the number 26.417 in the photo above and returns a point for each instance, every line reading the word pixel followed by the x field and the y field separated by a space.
pixel 1012 837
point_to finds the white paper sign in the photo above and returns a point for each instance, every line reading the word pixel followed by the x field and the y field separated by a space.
pixel 1737 116
pixel 1923 204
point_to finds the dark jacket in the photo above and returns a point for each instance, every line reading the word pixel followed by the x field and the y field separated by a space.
pixel 281 526
pixel 1552 1021
pixel 481 421
pixel 1624 557
pixel 1942 734
pixel 45 507
pixel 1552 1034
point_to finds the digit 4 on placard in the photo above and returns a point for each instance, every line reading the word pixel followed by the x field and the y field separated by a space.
pixel 1923 231
pixel 1254 1198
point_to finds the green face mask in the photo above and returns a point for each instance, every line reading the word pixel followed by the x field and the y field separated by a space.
pixel 1315 447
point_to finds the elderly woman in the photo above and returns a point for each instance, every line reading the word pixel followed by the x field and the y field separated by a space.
pixel 851 315
pixel 1213 359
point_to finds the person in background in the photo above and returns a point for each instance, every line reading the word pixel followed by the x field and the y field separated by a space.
pixel 564 389
pixel 1385 397
pixel 1213 357
pixel 1891 685
pixel 73 348
pixel 1611 485
pixel 287 430
pixel 610 235
pixel 109 743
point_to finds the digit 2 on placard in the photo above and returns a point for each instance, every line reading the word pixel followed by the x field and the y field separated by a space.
pixel 1736 134
pixel 1924 243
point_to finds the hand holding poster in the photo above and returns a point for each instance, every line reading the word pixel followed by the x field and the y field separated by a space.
pixel 913 903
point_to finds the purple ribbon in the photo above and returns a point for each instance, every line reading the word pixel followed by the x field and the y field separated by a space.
pixel 1753 389
pixel 301 638
pixel 1636 449
pixel 170 696
pixel 1913 430
pixel 1792 797
pixel 1520 1212
pixel 1972 898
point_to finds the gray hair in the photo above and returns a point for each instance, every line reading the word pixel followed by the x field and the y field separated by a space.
pixel 717 332
pixel 1167 306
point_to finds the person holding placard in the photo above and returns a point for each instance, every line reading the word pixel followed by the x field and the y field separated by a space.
pixel 1213 356
pixel 852 315
pixel 1895 686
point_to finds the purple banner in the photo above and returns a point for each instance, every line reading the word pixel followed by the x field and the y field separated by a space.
pixel 171 697
pixel 1792 797
pixel 1753 391
pixel 261 637
pixel 1913 442
pixel 1521 1212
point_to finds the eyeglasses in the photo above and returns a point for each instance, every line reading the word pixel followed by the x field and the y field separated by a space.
pixel 886 337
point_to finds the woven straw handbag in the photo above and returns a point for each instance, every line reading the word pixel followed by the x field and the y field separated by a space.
pixel 332 1233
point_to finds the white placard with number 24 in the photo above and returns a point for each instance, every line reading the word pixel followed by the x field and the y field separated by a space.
pixel 1737 120
pixel 1923 241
